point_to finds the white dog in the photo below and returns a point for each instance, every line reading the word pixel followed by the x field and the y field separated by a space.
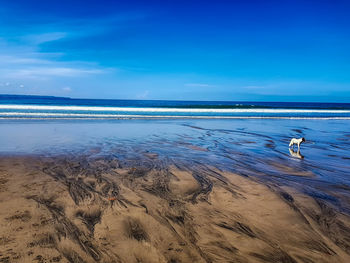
pixel 296 141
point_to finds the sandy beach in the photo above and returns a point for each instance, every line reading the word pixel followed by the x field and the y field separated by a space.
pixel 142 205
pixel 80 210
pixel 174 131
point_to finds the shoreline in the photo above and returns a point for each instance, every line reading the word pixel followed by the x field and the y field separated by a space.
pixel 136 117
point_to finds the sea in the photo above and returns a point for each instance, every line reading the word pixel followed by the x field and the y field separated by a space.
pixel 47 107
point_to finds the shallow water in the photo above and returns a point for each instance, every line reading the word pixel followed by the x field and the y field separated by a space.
pixel 257 148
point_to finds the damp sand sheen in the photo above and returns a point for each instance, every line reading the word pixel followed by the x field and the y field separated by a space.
pixel 97 210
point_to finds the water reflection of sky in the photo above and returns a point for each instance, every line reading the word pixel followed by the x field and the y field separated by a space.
pixel 250 147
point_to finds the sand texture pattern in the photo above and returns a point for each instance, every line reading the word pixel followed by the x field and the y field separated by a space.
pixel 83 209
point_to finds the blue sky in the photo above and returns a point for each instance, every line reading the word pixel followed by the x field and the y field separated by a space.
pixel 185 50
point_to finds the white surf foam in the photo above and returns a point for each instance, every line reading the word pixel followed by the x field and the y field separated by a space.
pixel 174 110
pixel 40 115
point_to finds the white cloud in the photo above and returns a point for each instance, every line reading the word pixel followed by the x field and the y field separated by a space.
pixel 20 62
pixel 66 89
pixel 37 39
pixel 22 59
pixel 203 85
pixel 254 87
pixel 15 59
pixel 38 72
pixel 143 95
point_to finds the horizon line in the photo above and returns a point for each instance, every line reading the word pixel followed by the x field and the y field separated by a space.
pixel 246 101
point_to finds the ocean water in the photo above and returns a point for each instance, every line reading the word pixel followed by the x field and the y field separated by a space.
pixel 41 107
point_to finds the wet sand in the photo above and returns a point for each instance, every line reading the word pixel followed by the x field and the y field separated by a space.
pixel 86 209
pixel 195 194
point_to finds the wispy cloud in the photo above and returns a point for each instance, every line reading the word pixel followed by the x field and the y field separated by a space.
pixel 45 55
pixel 35 67
pixel 22 56
pixel 24 60
pixel 254 87
pixel 67 89
pixel 202 85
pixel 40 38
pixel 40 72
pixel 143 95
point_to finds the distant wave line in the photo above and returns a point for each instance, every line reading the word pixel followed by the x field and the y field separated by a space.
pixel 24 115
pixel 180 110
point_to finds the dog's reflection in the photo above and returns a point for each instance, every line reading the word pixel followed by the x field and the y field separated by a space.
pixel 296 154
